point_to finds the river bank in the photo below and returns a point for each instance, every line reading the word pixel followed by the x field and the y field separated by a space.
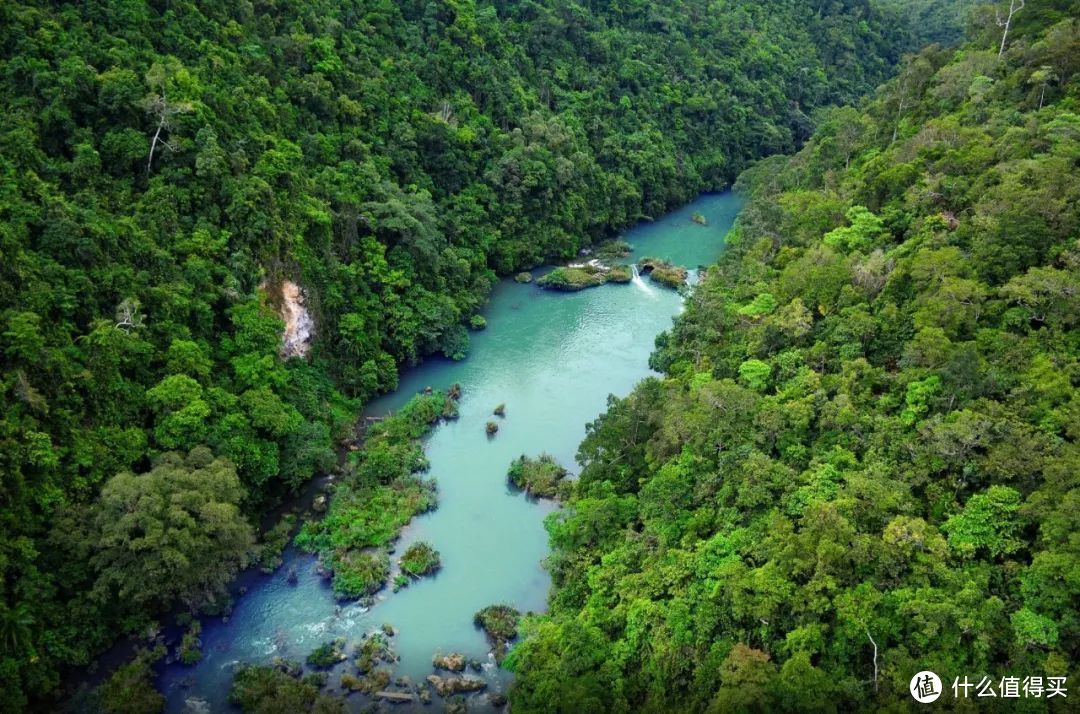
pixel 552 359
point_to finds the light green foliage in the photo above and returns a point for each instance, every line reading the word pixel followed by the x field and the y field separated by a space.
pixel 381 494
pixel 541 477
pixel 755 374
pixel 989 523
pixel 880 459
pixel 327 654
pixel 763 304
pixel 420 559
pixel 864 231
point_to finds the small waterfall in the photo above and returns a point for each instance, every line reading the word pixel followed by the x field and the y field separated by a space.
pixel 637 280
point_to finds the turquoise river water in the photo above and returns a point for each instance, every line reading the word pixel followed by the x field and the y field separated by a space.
pixel 553 359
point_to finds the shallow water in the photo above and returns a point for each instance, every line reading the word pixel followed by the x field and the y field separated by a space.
pixel 553 359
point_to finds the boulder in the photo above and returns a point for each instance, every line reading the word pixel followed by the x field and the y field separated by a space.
pixel 447 686
pixel 395 697
pixel 455 662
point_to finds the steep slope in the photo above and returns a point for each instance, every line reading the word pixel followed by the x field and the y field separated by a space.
pixel 863 458
pixel 161 161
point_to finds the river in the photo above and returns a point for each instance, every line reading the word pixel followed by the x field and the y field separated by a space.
pixel 553 359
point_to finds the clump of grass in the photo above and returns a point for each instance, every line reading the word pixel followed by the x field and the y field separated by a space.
pixel 541 477
pixel 360 573
pixel 191 644
pixel 420 559
pixel 327 654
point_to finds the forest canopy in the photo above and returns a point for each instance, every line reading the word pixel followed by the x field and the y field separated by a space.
pixel 862 458
pixel 165 167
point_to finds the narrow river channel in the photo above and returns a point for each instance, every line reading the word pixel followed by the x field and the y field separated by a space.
pixel 553 359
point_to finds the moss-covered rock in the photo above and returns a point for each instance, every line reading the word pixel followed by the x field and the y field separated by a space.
pixel 699 219
pixel 500 411
pixel 477 322
pixel 613 249
pixel 572 279
pixel 663 272
pixel 500 624
pixel 541 477
pixel 448 686
pixel 620 274
pixel 368 684
pixel 492 428
pixel 453 662
pixel 420 559
pixel 523 277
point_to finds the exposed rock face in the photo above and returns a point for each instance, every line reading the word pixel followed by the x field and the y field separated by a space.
pixel 299 327
pixel 447 686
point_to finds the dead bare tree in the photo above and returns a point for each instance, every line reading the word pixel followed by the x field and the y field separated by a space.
pixel 128 316
pixel 1015 6
pixel 159 106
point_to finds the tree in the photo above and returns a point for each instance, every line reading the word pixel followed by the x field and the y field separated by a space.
pixel 989 522
pixel 161 108
pixel 1015 6
pixel 173 534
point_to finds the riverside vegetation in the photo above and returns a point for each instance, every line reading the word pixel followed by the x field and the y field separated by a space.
pixel 863 457
pixel 166 167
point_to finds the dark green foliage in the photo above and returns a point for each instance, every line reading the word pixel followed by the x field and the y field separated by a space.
pixel 274 541
pixel 867 438
pixel 190 650
pixel 164 167
pixel 420 559
pixel 373 650
pixel 541 477
pixel 130 689
pixel 269 690
pixel 327 654
pixel 173 534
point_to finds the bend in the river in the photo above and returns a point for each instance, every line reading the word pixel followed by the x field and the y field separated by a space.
pixel 553 359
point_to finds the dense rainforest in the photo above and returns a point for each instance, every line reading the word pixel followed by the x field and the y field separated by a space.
pixel 166 167
pixel 862 458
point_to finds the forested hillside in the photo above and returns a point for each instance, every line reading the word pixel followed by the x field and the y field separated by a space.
pixel 164 166
pixel 863 457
